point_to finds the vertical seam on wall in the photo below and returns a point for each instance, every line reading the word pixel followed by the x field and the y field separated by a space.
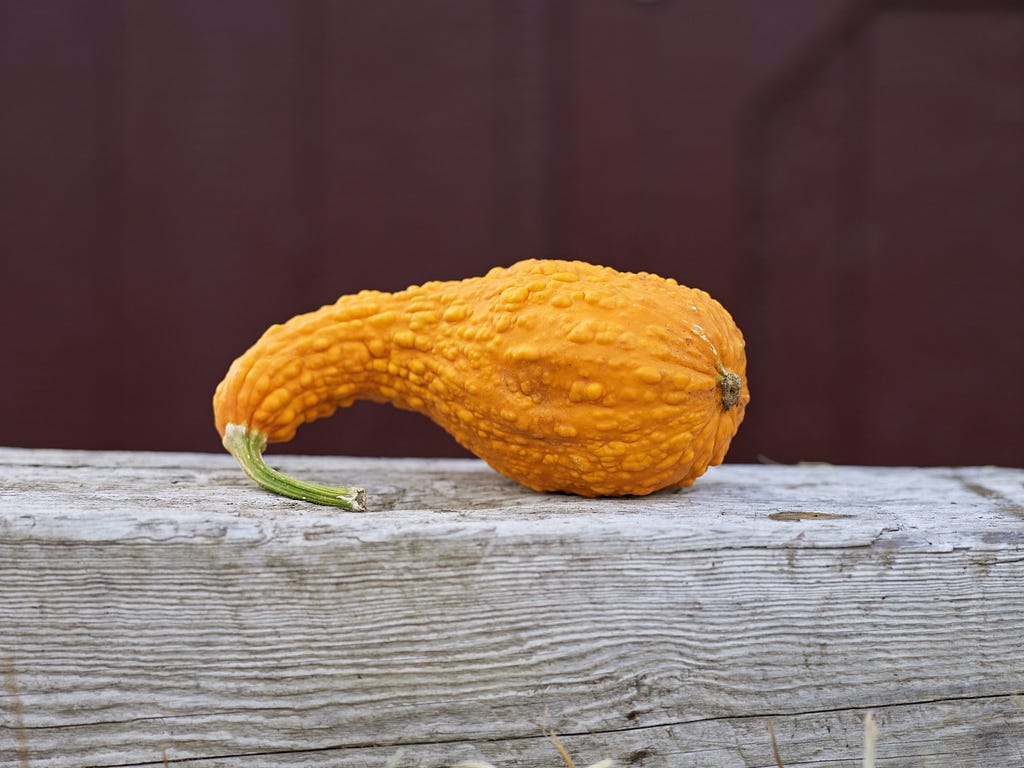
pixel 755 131
pixel 507 145
pixel 309 149
pixel 558 127
pixel 109 234
pixel 852 200
pixel 853 216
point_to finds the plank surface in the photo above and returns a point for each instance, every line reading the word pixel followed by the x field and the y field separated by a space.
pixel 161 601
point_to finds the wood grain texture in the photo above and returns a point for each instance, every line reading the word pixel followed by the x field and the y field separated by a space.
pixel 160 601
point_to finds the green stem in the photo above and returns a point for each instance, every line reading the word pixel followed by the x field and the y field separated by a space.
pixel 247 447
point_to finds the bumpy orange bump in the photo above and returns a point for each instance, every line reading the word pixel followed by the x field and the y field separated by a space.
pixel 545 369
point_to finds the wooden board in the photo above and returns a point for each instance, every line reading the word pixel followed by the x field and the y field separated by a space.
pixel 155 602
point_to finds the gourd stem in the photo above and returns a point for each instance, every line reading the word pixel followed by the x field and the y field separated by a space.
pixel 730 386
pixel 247 447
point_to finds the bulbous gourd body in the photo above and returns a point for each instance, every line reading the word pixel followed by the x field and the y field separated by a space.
pixel 562 375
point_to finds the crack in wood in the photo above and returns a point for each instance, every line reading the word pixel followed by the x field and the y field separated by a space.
pixel 1014 696
pixel 399 745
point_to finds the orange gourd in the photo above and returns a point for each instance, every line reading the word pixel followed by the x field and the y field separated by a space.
pixel 560 374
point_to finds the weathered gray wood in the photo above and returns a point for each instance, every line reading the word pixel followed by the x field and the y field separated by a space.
pixel 161 601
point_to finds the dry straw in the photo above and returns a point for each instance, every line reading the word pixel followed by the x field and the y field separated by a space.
pixel 562 751
pixel 870 741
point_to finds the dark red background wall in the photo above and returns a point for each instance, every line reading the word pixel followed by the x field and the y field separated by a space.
pixel 846 177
